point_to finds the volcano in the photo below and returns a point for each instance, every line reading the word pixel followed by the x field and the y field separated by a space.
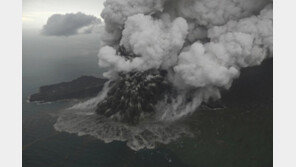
pixel 135 95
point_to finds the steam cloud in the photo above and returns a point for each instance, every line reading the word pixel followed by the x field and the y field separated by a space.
pixel 70 24
pixel 203 44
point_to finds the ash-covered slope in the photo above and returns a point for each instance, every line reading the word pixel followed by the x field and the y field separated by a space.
pixel 134 95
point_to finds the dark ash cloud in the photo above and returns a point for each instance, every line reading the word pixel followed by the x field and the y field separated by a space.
pixel 69 24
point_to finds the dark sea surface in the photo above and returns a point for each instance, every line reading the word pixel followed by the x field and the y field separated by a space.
pixel 236 136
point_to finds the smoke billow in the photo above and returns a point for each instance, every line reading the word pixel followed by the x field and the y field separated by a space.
pixel 202 44
pixel 156 42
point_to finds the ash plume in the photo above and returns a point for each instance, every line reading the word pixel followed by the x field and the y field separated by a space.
pixel 202 44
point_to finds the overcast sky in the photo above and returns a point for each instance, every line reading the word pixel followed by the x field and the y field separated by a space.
pixel 36 12
pixel 60 44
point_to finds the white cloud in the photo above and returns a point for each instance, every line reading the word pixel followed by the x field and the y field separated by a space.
pixel 70 24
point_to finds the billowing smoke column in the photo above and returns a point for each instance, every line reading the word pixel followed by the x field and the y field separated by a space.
pixel 201 44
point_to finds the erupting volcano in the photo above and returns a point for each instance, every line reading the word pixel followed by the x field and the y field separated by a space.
pixel 165 59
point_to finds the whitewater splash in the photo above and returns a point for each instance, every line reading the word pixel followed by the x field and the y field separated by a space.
pixel 81 119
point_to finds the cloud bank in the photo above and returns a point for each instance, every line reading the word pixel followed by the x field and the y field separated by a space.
pixel 70 24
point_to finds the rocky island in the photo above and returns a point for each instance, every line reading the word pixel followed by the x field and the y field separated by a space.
pixel 80 88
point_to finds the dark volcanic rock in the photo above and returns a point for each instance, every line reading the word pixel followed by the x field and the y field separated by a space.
pixel 82 87
pixel 133 95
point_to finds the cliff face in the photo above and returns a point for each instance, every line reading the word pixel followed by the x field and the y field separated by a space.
pixel 82 87
pixel 134 95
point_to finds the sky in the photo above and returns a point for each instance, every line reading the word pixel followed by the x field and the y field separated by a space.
pixel 39 48
pixel 36 12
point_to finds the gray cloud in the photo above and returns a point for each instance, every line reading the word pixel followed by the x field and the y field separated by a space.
pixel 70 24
